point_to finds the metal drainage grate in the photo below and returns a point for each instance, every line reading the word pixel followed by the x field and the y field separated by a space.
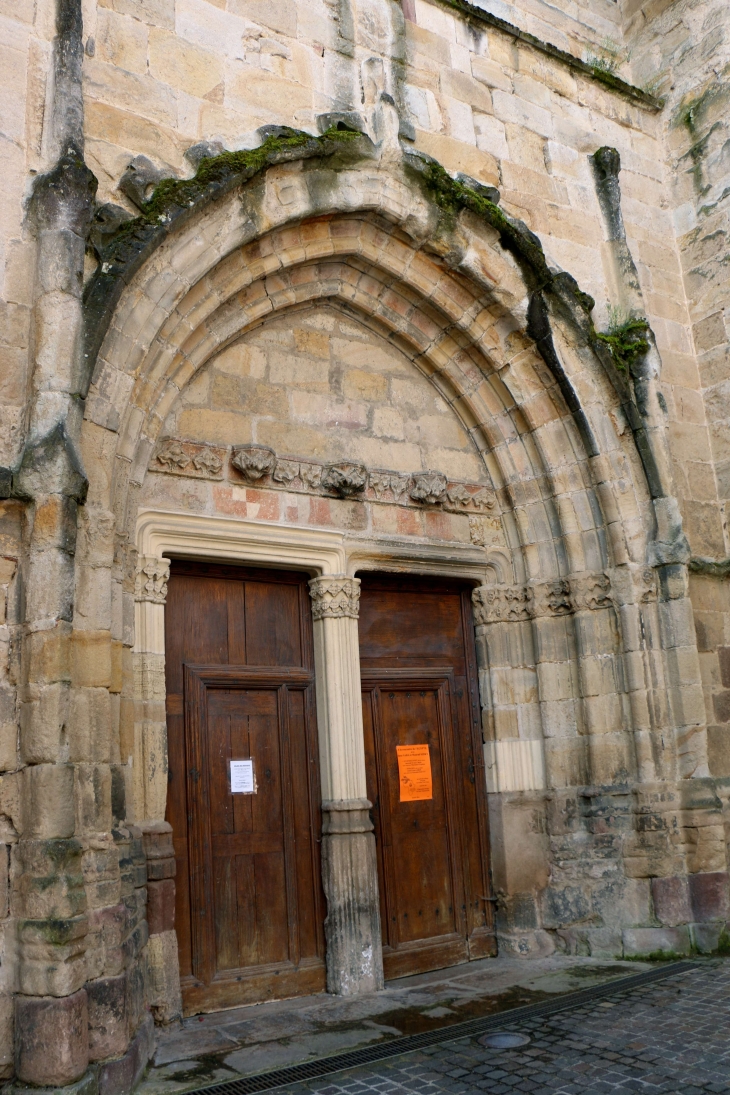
pixel 325 1066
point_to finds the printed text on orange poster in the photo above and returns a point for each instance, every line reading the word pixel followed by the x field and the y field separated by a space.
pixel 414 772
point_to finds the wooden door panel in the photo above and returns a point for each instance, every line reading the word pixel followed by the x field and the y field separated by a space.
pixel 249 905
pixel 419 687
pixel 247 831
pixel 272 624
pixel 422 901
pixel 422 884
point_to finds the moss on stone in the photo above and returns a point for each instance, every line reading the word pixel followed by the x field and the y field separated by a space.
pixel 213 170
pixel 626 341
pixel 723 944
pixel 452 196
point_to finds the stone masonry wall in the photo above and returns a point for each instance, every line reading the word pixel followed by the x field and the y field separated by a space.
pixel 589 665
pixel 685 49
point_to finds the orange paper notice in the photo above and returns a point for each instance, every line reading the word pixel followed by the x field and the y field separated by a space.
pixel 414 772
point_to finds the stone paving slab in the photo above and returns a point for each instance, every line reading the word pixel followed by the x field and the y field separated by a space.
pixel 245 1041
pixel 671 1037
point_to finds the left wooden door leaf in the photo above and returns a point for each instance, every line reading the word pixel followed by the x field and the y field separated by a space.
pixel 250 906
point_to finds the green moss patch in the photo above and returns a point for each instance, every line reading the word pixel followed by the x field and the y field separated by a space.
pixel 626 341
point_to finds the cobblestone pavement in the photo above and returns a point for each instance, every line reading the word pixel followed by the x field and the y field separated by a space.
pixel 672 1037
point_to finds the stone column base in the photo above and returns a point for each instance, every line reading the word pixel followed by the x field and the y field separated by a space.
pixel 350 877
pixel 87 1085
pixel 117 1077
pixel 51 1039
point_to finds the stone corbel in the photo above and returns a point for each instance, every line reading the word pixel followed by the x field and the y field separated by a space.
pixel 349 866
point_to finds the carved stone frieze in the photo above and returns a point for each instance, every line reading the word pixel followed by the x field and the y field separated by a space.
pixel 552 598
pixel 335 597
pixel 151 579
pixel 259 464
pixel 345 479
pixel 253 461
pixel 499 604
pixel 428 487
pixel 383 483
pixel 537 600
pixel 591 591
pixel 189 458
pixel 285 471
pixel 208 462
pixel 311 475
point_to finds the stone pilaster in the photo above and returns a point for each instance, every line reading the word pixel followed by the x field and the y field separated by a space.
pixel 349 866
pixel 150 785
pixel 150 731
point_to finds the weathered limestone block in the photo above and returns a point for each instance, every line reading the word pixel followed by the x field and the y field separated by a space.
pixel 709 896
pixel 101 871
pixel 163 977
pixel 161 906
pixel 118 1077
pixel 43 717
pixel 163 982
pixel 52 956
pixel 47 880
pixel 7 1035
pixel 107 928
pixel 671 901
pixel 93 786
pixel 48 802
pixel 91 717
pixel 108 1023
pixel 637 941
pixel 52 1039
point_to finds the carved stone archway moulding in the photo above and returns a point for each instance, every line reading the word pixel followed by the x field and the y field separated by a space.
pixel 461 322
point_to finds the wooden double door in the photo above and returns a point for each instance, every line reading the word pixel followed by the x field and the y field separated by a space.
pixel 240 706
pixel 419 681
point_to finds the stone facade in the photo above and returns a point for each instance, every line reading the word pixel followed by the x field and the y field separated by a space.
pixel 351 285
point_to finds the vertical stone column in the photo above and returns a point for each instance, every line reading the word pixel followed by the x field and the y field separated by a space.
pixel 150 785
pixel 349 865
pixel 515 763
pixel 150 726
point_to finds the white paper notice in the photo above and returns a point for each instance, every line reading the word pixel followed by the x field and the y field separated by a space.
pixel 242 779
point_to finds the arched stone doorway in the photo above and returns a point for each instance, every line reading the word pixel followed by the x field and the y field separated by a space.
pixel 547 520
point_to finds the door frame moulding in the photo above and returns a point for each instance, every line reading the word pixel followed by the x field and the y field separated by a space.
pixel 332 558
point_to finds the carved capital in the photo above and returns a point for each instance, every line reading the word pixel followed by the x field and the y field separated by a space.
pixel 428 487
pixel 345 479
pixel 253 461
pixel 591 591
pixel 151 579
pixel 499 604
pixel 552 598
pixel 335 597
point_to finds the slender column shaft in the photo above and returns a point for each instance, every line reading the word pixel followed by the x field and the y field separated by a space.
pixel 349 864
